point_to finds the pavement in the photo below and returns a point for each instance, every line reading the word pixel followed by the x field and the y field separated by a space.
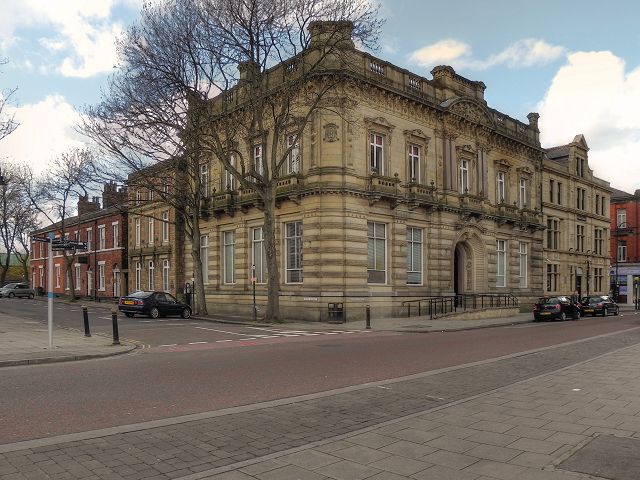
pixel 566 412
pixel 26 342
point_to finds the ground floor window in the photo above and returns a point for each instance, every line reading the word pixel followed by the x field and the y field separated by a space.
pixel 165 275
pixel 77 277
pixel 293 252
pixel 376 252
pixel 152 277
pixel 138 280
pixel 524 264
pixel 598 279
pixel 501 261
pixel 101 278
pixel 258 258
pixel 414 256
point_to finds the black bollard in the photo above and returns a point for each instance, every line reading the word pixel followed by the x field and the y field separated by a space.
pixel 368 317
pixel 114 323
pixel 85 318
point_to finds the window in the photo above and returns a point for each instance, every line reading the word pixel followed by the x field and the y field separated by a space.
pixel 559 194
pixel 553 233
pixel 581 194
pixel 414 256
pixel 579 238
pixel 165 226
pixel 501 262
pixel 228 256
pixel 138 197
pixel 229 179
pixel 77 277
pixel 89 239
pixel 522 193
pixel 257 159
pixel 501 191
pixel 597 204
pixel 580 170
pixel 523 264
pixel 598 241
pixel 41 271
pixel 101 279
pixel 152 278
pixel 621 215
pixel 165 275
pixel 552 191
pixel 150 195
pixel 116 234
pixel 622 251
pixel 376 252
pixel 67 278
pixel 293 253
pixel 151 230
pixel 414 163
pixel 464 176
pixel 292 163
pixel 204 257
pixel 204 180
pixel 257 255
pixel 138 282
pixel 602 206
pixel 376 153
pixel 552 277
pixel 57 274
pixel 102 237
pixel 137 231
pixel 165 190
pixel 598 279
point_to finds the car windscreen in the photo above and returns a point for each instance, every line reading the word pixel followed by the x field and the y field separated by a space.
pixel 140 294
pixel 548 301
pixel 591 299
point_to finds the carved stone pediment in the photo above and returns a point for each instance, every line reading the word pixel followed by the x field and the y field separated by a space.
pixel 472 112
pixel 503 164
pixel 417 135
pixel 466 151
pixel 525 171
pixel 379 122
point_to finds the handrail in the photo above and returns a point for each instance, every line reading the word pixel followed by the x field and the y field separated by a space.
pixel 439 305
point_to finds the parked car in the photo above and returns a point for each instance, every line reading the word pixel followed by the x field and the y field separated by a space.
pixel 153 304
pixel 562 308
pixel 17 290
pixel 602 304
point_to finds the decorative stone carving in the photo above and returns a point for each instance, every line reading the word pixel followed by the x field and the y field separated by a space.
pixel 472 112
pixel 331 132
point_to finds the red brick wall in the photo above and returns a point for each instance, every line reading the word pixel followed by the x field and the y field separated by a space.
pixel 114 258
pixel 633 221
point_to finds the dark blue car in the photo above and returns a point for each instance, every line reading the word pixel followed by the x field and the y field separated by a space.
pixel 153 304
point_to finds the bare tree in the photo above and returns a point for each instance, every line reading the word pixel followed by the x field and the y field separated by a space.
pixel 7 122
pixel 199 79
pixel 55 194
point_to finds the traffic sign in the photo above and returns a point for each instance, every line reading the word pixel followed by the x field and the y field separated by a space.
pixel 40 239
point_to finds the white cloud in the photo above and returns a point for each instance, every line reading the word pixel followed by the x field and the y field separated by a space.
pixel 45 130
pixel 593 94
pixel 84 32
pixel 527 52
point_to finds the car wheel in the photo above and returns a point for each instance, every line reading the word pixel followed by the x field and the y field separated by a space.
pixel 154 312
pixel 605 311
pixel 616 311
pixel 128 314
pixel 11 295
pixel 186 312
pixel 563 316
pixel 31 295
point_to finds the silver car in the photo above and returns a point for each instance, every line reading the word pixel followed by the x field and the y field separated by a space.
pixel 17 290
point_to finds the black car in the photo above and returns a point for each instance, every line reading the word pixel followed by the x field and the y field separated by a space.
pixel 153 304
pixel 602 304
pixel 560 308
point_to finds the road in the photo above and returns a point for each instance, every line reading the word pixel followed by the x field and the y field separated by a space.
pixel 190 366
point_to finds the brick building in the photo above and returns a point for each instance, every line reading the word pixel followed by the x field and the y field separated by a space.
pixel 625 248
pixel 101 270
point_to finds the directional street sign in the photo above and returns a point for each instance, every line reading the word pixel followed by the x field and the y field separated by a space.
pixel 40 239
pixel 68 245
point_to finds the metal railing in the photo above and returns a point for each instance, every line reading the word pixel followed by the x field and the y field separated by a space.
pixel 441 305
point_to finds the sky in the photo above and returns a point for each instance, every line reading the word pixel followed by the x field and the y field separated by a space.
pixel 575 62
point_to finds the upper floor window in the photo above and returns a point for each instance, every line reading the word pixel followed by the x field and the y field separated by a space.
pixel 522 195
pixel 376 153
pixel 464 176
pixel 138 196
pixel 204 180
pixel 580 238
pixel 621 215
pixel 102 237
pixel 598 241
pixel 116 234
pixel 413 159
pixel 89 239
pixel 137 230
pixel 559 194
pixel 581 194
pixel 165 226
pixel 501 187
pixel 229 179
pixel 552 191
pixel 622 251
pixel 292 163
pixel 258 160
pixel 150 195
pixel 151 231
pixel 580 167
pixel 553 233
pixel 598 204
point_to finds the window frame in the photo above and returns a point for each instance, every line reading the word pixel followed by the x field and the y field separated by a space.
pixel 414 245
pixel 293 244
pixel 377 153
pixel 257 245
pixel 373 242
pixel 414 162
pixel 523 264
pixel 204 258
pixel 228 257
pixel 501 263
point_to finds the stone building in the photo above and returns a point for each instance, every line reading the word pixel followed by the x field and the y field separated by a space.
pixel 625 248
pixel 413 187
pixel 576 212
pixel 101 270
pixel 156 234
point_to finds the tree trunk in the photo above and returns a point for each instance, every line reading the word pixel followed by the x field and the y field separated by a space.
pixel 4 270
pixel 272 313
pixel 200 301
pixel 25 270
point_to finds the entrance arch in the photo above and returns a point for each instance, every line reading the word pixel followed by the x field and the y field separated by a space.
pixel 462 268
pixel 469 262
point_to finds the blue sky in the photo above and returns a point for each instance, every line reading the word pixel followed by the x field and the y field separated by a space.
pixel 574 62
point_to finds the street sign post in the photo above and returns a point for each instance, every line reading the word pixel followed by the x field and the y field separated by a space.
pixel 50 290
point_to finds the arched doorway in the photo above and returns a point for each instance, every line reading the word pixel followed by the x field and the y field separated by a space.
pixel 462 268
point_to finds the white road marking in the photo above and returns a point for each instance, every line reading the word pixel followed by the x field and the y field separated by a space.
pixel 222 341
pixel 170 345
pixel 196 343
pixel 106 318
